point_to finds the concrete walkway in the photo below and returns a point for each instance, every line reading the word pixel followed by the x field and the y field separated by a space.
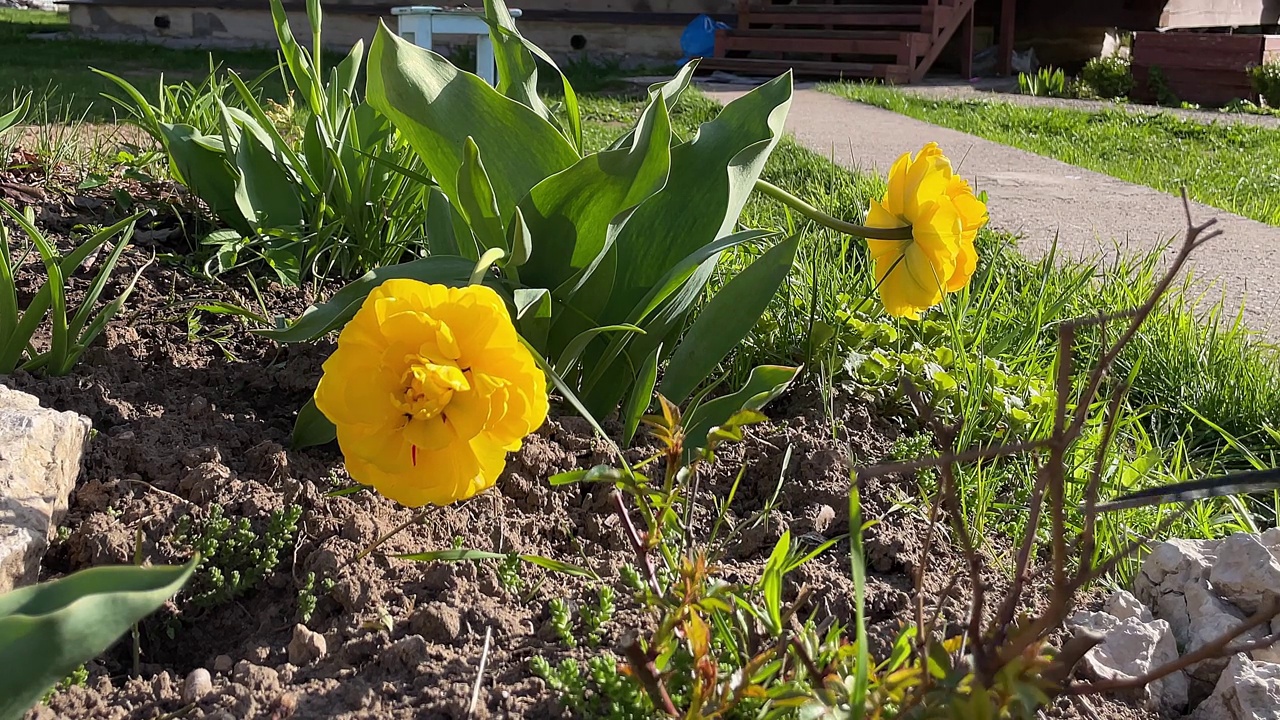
pixel 1039 198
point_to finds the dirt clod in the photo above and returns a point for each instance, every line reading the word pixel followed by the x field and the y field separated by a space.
pixel 306 646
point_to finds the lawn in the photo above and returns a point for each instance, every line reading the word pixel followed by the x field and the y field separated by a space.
pixel 1232 166
pixel 549 577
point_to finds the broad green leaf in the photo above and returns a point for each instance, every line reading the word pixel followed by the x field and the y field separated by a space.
pixel 533 315
pixel 670 91
pixel 771 581
pixel 476 201
pixel 726 320
pixel 258 121
pixel 519 240
pixel 442 237
pixel 297 61
pixel 516 67
pixel 332 315
pixel 574 349
pixel 205 172
pixel 436 107
pixel 659 313
pixel 765 383
pixel 48 630
pixel 267 193
pixel 570 214
pixel 710 180
pixel 13 117
pixel 524 84
pixel 347 72
pixel 640 397
pixel 312 427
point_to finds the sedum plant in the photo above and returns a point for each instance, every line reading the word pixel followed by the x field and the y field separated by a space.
pixel 323 198
pixel 50 629
pixel 72 329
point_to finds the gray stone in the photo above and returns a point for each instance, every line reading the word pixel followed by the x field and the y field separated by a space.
pixel 306 646
pixel 256 677
pixel 223 664
pixel 1166 571
pixel 197 685
pixel 1121 604
pixel 1246 573
pixel 1211 618
pixel 40 453
pixel 1131 649
pixel 1247 690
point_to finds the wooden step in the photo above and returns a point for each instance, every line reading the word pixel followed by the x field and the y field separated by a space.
pixel 837 42
pixel 871 15
pixel 762 66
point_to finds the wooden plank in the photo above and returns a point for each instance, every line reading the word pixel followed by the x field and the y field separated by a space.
pixel 1203 51
pixel 1218 13
pixel 966 45
pixel 1004 63
pixel 891 72
pixel 1206 87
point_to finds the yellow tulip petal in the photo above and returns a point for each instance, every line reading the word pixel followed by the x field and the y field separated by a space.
pixel 895 197
pixel 429 388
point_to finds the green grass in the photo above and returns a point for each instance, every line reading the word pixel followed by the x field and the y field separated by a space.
pixel 59 72
pixel 1194 378
pixel 1232 166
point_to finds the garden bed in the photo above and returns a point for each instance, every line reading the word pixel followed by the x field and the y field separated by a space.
pixel 185 420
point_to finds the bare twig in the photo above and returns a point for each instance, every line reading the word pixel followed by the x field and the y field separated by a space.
pixel 638 545
pixel 484 660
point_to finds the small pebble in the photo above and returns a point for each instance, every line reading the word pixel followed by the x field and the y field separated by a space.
pixel 197 685
pixel 306 646
pixel 223 664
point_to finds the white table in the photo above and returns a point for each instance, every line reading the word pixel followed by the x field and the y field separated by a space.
pixel 418 23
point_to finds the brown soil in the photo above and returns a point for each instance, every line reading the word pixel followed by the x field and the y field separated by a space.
pixel 186 419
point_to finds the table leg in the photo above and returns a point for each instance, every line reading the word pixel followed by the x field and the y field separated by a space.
pixel 484 59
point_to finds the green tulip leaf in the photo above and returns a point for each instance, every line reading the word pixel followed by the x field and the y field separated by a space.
pixel 726 320
pixel 312 427
pixel 319 320
pixel 48 630
pixel 765 383
pixel 436 108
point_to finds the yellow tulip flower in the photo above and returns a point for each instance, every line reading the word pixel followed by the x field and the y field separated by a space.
pixel 430 388
pixel 944 216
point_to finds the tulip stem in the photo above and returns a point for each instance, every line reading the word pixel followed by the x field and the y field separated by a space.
pixel 834 223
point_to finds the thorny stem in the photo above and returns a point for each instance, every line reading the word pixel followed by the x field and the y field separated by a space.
pixel 833 223
pixel 648 675
pixel 642 552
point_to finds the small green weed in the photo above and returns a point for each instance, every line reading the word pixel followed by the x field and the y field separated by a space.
pixel 307 598
pixel 1265 79
pixel 562 622
pixel 1048 81
pixel 78 678
pixel 234 558
pixel 1109 78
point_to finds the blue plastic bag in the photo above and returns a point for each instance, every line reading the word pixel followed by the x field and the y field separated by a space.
pixel 699 39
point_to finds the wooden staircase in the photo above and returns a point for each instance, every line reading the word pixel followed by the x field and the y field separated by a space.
pixel 892 40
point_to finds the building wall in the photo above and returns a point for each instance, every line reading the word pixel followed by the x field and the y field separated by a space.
pixel 631 44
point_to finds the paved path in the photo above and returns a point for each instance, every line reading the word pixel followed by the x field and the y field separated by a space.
pixel 1039 198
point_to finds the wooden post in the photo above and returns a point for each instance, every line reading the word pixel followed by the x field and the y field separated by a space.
pixel 1005 64
pixel 966 44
